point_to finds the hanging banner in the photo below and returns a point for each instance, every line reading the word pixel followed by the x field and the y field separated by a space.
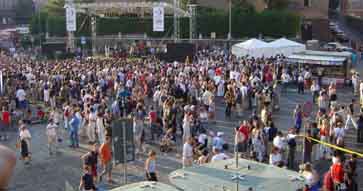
pixel 71 19
pixel 1 83
pixel 158 19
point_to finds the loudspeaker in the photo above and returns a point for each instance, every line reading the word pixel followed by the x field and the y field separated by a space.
pixel 119 139
pixel 179 52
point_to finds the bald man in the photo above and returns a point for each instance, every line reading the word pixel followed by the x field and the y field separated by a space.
pixel 7 164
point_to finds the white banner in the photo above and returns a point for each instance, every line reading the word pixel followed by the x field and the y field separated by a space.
pixel 71 19
pixel 1 83
pixel 158 19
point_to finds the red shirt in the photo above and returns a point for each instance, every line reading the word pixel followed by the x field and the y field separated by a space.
pixel 268 77
pixel 328 184
pixel 218 71
pixel 106 153
pixel 6 117
pixel 244 129
pixel 337 172
pixel 40 114
pixel 152 116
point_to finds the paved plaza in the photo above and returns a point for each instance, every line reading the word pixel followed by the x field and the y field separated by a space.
pixel 62 171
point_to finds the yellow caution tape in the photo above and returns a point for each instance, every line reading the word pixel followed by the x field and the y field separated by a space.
pixel 334 146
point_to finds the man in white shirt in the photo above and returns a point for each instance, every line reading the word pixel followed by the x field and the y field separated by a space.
pixel 51 132
pixel 279 141
pixel 355 83
pixel 300 84
pixel 285 77
pixel 315 88
pixel 188 153
pixel 206 97
pixel 21 97
pixel 218 156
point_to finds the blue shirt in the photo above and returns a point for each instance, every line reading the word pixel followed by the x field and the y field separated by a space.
pixel 115 107
pixel 123 94
pixel 74 123
pixel 218 143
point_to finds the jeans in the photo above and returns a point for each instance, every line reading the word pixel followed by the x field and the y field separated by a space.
pixel 300 87
pixel 74 138
pixel 315 96
pixel 360 135
pixel 228 109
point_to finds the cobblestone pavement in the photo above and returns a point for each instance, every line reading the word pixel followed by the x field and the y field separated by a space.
pixel 62 171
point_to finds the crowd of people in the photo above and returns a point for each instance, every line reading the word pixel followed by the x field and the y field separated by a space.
pixel 176 102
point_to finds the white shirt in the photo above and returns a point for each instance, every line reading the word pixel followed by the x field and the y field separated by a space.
pixel 86 97
pixel 300 79
pixel 219 157
pixel 315 88
pixel 339 132
pixel 206 97
pixel 279 142
pixel 307 75
pixel 100 125
pixel 129 83
pixel 92 117
pixel 309 178
pixel 203 116
pixel 285 77
pixel 51 130
pixel 20 94
pixel 187 150
pixel 25 134
pixel 274 158
pixel 202 138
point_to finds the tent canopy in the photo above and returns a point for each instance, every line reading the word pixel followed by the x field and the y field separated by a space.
pixel 286 47
pixel 252 44
pixel 257 48
pixel 253 47
pixel 283 42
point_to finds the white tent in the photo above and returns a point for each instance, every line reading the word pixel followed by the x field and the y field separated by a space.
pixel 286 47
pixel 253 47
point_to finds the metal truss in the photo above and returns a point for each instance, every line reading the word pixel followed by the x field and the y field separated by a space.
pixel 128 7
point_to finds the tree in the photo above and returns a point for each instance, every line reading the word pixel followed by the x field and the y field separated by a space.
pixel 277 4
pixel 24 10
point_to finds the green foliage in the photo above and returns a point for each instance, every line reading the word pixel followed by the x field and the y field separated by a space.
pixel 55 7
pixel 277 4
pixel 247 23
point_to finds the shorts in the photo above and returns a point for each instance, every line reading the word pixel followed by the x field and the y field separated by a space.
pixel 108 167
pixel 241 148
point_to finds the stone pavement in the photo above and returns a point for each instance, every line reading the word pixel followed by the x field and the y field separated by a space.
pixel 63 171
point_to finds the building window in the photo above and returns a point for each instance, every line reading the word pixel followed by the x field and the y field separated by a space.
pixel 306 3
pixel 3 21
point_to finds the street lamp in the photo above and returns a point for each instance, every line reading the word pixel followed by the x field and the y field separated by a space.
pixel 230 20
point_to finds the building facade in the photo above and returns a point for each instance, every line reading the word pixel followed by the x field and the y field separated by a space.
pixel 315 18
pixel 352 7
pixel 7 12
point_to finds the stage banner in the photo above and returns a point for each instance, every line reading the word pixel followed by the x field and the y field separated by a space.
pixel 71 19
pixel 158 19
